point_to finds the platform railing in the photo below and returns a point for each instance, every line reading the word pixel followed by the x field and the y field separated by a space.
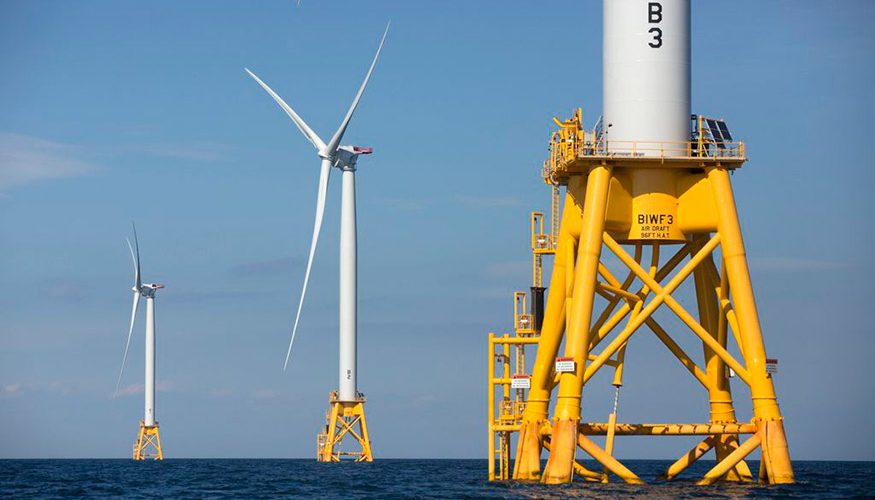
pixel 665 150
pixel 565 150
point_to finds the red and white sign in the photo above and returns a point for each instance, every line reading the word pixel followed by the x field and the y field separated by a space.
pixel 520 382
pixel 771 366
pixel 564 365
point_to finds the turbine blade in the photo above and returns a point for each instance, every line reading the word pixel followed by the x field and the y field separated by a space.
pixel 321 196
pixel 128 343
pixel 338 136
pixel 299 122
pixel 135 258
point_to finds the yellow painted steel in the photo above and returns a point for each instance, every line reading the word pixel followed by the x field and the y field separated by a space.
pixel 344 418
pixel 719 392
pixel 688 459
pixel 663 196
pixel 621 429
pixel 567 411
pixel 527 465
pixel 610 463
pixel 148 443
pixel 724 466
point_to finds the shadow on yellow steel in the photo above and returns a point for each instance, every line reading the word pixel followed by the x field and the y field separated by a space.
pixel 679 200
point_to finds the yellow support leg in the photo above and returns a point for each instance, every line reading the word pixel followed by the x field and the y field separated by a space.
pixel 587 475
pixel 765 404
pixel 527 466
pixel 719 393
pixel 559 468
pixel 490 404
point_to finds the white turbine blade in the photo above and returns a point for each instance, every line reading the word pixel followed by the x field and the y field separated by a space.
pixel 136 260
pixel 338 136
pixel 324 174
pixel 299 122
pixel 128 343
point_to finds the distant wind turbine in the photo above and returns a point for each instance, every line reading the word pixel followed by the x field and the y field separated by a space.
pixel 148 436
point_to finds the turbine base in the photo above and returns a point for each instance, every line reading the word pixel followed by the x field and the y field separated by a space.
pixel 148 443
pixel 344 418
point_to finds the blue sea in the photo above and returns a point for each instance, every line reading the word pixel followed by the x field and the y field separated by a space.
pixel 181 478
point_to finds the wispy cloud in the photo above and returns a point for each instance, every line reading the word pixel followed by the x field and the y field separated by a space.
pixel 793 264
pixel 222 393
pixel 11 390
pixel 25 159
pixel 489 201
pixel 64 290
pixel 265 394
pixel 423 401
pixel 130 390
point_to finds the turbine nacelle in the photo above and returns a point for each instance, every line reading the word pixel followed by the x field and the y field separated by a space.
pixel 148 290
pixel 347 156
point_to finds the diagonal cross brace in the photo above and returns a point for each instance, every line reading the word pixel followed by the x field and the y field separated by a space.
pixel 664 295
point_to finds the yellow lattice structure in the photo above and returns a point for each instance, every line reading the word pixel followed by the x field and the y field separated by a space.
pixel 344 419
pixel 666 211
pixel 148 443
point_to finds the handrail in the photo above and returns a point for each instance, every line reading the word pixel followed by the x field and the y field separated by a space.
pixel 665 150
pixel 570 142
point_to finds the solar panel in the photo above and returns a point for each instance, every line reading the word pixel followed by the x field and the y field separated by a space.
pixel 724 131
pixel 715 132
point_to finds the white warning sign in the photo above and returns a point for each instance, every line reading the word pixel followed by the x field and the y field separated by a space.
pixel 520 382
pixel 564 365
pixel 771 366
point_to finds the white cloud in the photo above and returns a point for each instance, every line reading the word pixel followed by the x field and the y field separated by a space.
pixel 64 290
pixel 265 394
pixel 11 390
pixel 25 159
pixel 221 393
pixel 130 390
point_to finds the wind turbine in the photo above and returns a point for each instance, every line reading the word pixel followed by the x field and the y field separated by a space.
pixel 148 444
pixel 347 402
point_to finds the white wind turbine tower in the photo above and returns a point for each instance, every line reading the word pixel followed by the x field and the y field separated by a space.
pixel 148 444
pixel 347 403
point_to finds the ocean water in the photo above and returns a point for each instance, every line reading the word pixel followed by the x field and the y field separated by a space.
pixel 181 478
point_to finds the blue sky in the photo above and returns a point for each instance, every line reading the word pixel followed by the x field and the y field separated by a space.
pixel 120 111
